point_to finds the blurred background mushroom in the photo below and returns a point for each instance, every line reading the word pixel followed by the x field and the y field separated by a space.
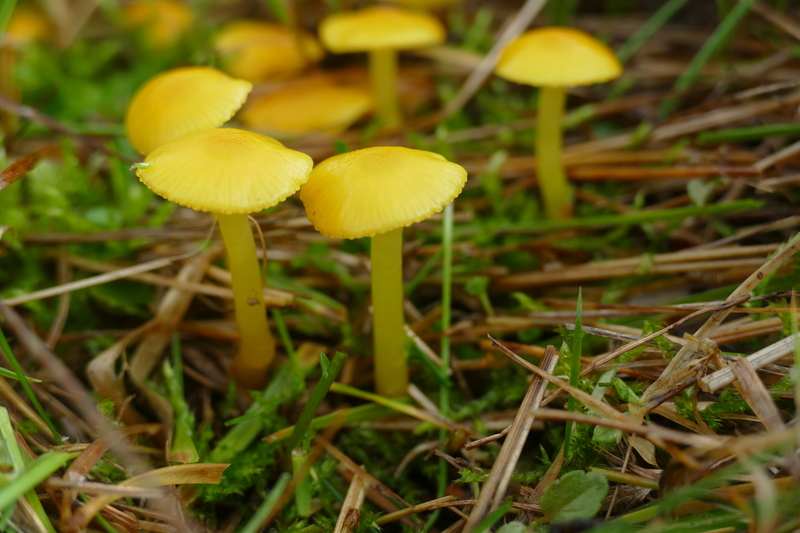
pixel 262 51
pixel 553 59
pixel 316 104
pixel 382 31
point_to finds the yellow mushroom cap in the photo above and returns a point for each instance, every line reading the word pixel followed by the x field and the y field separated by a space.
pixel 260 51
pixel 226 171
pixel 26 26
pixel 380 27
pixel 375 190
pixel 182 101
pixel 426 4
pixel 314 105
pixel 557 57
pixel 164 21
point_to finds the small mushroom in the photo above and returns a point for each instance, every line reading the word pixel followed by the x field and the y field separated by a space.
pixel 263 51
pixel 182 101
pixel 381 31
pixel 231 173
pixel 162 22
pixel 553 59
pixel 375 192
pixel 317 104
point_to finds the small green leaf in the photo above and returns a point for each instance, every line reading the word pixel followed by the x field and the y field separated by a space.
pixel 604 435
pixel 699 190
pixel 576 495
pixel 624 391
pixel 513 527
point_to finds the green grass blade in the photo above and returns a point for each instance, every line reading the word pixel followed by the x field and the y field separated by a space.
pixel 641 217
pixel 265 508
pixel 183 449
pixel 646 30
pixel 6 373
pixel 574 368
pixel 6 9
pixel 753 133
pixel 329 375
pixel 34 473
pixel 27 387
pixel 286 339
pixel 707 51
pixel 493 517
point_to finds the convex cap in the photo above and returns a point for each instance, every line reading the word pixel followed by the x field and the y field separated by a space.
pixel 314 105
pixel 26 26
pixel 557 57
pixel 182 101
pixel 226 171
pixel 261 51
pixel 380 27
pixel 375 190
pixel 163 22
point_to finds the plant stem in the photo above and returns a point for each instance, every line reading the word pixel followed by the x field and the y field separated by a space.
pixel 383 78
pixel 556 193
pixel 256 346
pixel 391 370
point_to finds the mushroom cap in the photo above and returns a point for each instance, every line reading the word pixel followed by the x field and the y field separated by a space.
pixel 226 171
pixel 380 27
pixel 314 105
pixel 375 190
pixel 26 26
pixel 557 57
pixel 260 51
pixel 164 21
pixel 182 101
pixel 426 4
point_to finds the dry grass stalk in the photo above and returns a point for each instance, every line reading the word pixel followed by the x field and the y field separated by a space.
pixel 684 368
pixel 350 514
pixel 724 376
pixel 756 395
pixel 495 486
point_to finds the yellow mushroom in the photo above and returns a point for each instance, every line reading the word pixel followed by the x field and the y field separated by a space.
pixel 182 101
pixel 231 173
pixel 263 51
pixel 375 192
pixel 162 22
pixel 553 59
pixel 381 31
pixel 315 105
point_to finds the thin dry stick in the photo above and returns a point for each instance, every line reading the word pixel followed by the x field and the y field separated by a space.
pixel 781 155
pixel 715 381
pixel 350 514
pixel 495 486
pixel 756 395
pixel 93 281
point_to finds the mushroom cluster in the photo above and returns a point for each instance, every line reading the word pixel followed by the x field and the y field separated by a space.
pixel 174 121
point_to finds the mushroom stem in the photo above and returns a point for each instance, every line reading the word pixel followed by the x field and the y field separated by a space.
pixel 391 370
pixel 256 346
pixel 383 78
pixel 556 192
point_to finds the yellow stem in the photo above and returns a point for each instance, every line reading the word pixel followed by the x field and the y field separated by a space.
pixel 391 370
pixel 383 77
pixel 256 345
pixel 556 192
